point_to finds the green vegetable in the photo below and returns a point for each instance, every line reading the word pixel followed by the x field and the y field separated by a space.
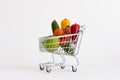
pixel 54 26
pixel 51 45
pixel 69 49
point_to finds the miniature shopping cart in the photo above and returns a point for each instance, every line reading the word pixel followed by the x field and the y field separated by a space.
pixel 65 45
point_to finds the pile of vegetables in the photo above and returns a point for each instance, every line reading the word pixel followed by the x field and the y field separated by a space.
pixel 66 28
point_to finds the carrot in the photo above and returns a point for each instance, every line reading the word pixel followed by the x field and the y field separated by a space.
pixel 64 41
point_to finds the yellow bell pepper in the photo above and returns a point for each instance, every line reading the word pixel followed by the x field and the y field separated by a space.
pixel 65 23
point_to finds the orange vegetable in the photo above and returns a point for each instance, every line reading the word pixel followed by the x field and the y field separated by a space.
pixel 64 41
pixel 58 32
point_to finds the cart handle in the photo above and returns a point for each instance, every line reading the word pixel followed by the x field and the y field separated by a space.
pixel 83 27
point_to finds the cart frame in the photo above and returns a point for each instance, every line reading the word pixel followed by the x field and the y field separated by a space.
pixel 49 65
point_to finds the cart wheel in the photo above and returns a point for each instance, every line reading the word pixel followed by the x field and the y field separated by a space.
pixel 62 67
pixel 74 69
pixel 48 69
pixel 41 67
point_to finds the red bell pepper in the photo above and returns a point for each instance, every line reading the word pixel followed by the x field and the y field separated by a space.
pixel 75 28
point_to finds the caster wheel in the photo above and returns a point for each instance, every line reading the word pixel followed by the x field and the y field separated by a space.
pixel 48 69
pixel 41 67
pixel 74 69
pixel 62 67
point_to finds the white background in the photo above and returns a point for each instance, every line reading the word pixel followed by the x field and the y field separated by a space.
pixel 23 21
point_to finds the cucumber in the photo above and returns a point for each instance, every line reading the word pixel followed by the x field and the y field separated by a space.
pixel 54 26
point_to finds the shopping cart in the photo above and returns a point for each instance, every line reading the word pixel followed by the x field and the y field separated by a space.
pixel 65 45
